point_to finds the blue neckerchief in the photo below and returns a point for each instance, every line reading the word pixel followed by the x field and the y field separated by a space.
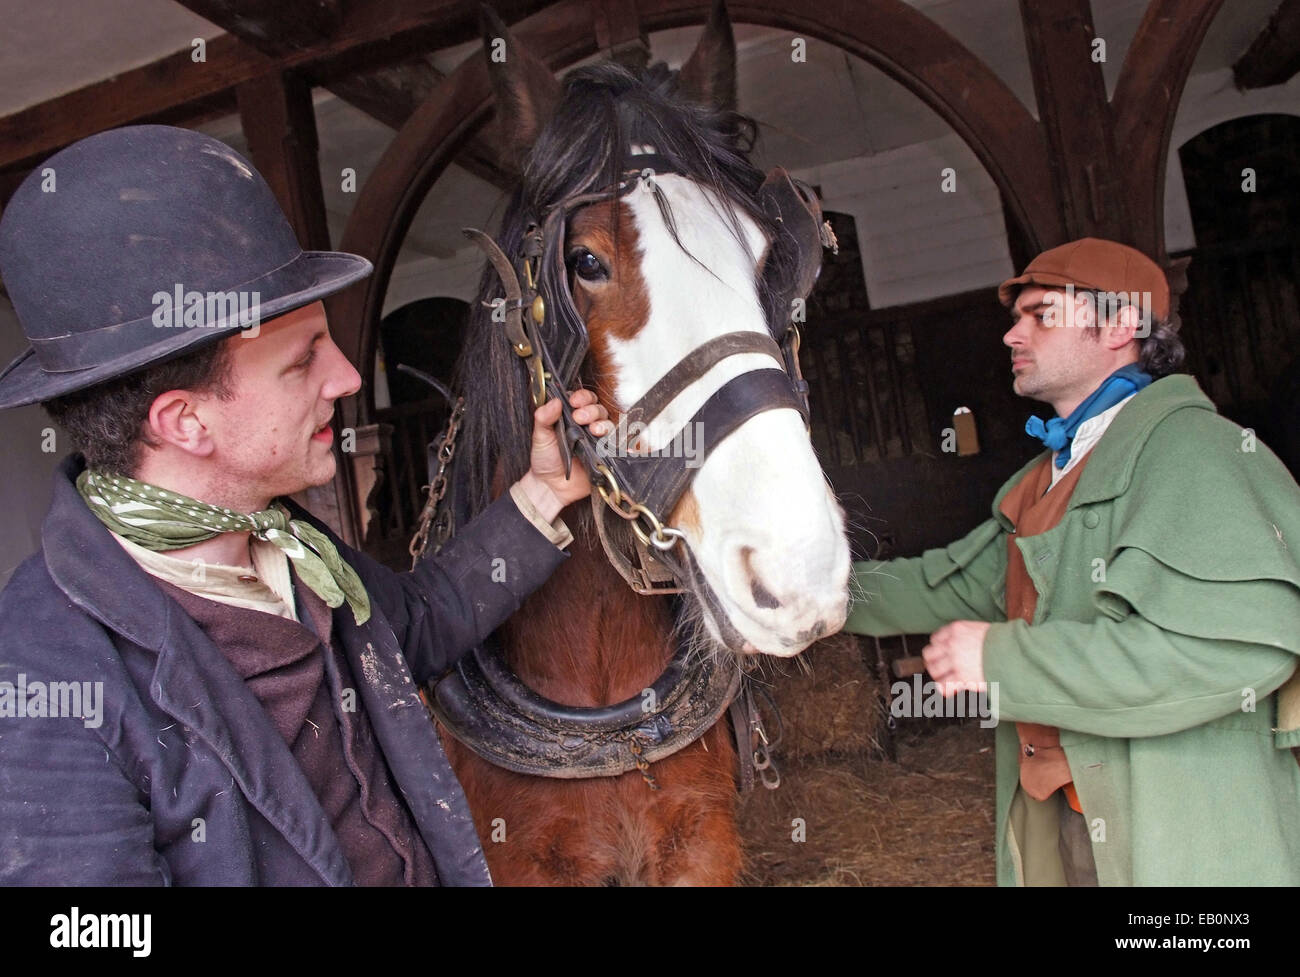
pixel 1058 433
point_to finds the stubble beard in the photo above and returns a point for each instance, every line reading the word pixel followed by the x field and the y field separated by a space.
pixel 1030 383
pixel 314 473
pixel 1050 386
pixel 317 471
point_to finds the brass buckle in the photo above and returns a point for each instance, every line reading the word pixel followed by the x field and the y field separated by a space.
pixel 649 588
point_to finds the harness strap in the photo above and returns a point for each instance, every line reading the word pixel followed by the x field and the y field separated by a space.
pixel 695 364
pixel 510 282
pixel 742 728
pixel 644 572
pixel 658 486
pixel 506 685
pixel 753 745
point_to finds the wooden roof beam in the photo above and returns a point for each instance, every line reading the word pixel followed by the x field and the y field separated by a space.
pixel 1076 118
pixel 1274 56
pixel 173 85
pixel 278 121
pixel 273 28
pixel 1150 85
pixel 391 96
pixel 372 33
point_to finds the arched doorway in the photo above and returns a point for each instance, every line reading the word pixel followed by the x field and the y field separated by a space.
pixel 426 336
pixel 1241 313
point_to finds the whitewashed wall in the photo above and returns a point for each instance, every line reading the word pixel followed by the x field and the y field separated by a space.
pixel 919 240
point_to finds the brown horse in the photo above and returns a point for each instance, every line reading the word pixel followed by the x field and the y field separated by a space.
pixel 653 275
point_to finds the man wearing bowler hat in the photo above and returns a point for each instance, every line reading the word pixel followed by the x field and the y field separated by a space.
pixel 1133 601
pixel 199 683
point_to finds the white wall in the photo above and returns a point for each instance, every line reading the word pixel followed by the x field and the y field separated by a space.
pixel 919 241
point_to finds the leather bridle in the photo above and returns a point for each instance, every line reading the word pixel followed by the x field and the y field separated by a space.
pixel 545 329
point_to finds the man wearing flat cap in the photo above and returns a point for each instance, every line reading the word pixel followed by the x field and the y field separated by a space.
pixel 1134 598
pixel 199 683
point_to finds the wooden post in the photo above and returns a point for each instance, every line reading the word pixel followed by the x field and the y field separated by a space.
pixel 280 127
pixel 619 32
pixel 1076 118
pixel 1146 101
pixel 374 443
pixel 1274 56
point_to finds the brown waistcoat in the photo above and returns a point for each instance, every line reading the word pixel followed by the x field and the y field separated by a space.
pixel 284 664
pixel 1043 767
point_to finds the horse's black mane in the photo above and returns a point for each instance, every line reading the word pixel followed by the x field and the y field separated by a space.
pixel 606 108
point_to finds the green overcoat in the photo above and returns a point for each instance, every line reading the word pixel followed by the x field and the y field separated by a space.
pixel 1164 643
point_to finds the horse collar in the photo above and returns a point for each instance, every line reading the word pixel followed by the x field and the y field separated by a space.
pixel 486 707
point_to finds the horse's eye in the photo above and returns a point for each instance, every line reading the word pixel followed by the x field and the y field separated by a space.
pixel 587 265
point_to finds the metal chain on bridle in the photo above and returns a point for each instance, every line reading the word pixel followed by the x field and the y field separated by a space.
pixel 435 519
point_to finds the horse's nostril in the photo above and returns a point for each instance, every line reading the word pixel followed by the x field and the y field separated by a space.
pixel 813 633
pixel 763 597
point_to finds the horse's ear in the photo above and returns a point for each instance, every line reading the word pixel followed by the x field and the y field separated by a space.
pixel 709 74
pixel 526 90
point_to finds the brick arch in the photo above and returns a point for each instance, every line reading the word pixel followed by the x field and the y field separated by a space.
pixel 889 34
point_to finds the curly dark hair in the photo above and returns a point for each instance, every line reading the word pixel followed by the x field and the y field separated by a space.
pixel 106 421
pixel 1160 352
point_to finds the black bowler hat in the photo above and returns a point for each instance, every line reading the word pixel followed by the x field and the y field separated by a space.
pixel 98 233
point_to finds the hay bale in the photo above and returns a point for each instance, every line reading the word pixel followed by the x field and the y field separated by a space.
pixel 829 701
pixel 926 820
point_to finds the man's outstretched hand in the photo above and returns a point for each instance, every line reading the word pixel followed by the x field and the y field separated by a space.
pixel 544 482
pixel 955 656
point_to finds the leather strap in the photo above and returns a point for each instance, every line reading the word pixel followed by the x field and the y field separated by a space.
pixel 695 364
pixel 658 481
pixel 635 562
pixel 742 728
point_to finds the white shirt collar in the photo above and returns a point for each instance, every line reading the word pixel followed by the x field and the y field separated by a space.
pixel 268 588
pixel 1086 436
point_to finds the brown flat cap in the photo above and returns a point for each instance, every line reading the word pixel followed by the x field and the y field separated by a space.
pixel 1094 264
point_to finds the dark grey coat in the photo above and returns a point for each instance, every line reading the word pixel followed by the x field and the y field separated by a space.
pixel 162 791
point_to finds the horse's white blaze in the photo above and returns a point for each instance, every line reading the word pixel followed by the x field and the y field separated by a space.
pixel 771 541
pixel 689 302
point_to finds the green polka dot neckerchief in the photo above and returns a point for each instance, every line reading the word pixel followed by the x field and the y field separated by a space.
pixel 159 519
